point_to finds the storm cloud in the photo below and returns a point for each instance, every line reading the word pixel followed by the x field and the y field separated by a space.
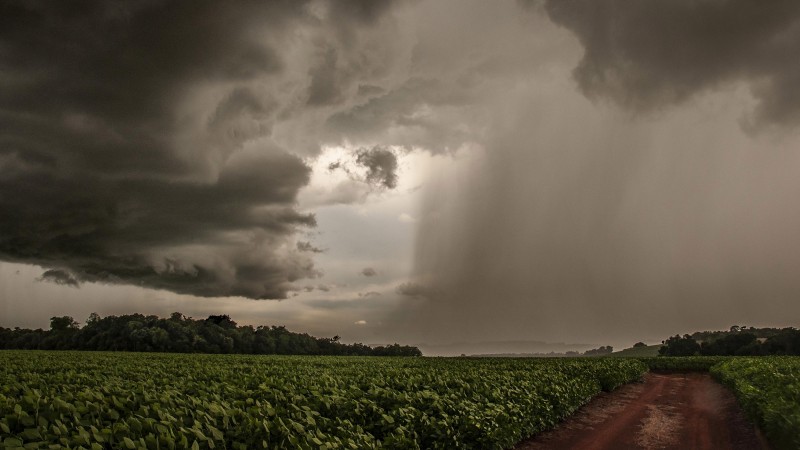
pixel 59 277
pixel 564 218
pixel 583 172
pixel 381 165
pixel 147 143
pixel 645 55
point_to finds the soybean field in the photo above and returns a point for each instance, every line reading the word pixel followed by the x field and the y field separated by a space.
pixel 96 400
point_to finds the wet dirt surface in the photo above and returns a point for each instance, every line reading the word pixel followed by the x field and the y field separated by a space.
pixel 665 411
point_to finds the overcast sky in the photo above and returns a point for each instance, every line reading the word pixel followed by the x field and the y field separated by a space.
pixel 463 174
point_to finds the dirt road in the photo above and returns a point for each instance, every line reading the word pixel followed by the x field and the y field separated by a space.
pixel 666 411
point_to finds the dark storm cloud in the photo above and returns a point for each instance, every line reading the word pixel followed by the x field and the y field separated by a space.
pixel 399 110
pixel 647 54
pixel 381 165
pixel 369 272
pixel 136 140
pixel 376 167
pixel 363 11
pixel 169 235
pixel 326 83
pixel 59 277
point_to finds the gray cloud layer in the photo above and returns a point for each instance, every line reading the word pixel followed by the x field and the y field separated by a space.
pixel 578 222
pixel 645 55
pixel 151 143
pixel 164 145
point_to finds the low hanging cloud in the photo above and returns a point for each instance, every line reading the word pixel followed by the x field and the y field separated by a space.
pixel 154 144
pixel 417 290
pixel 644 55
pixel 369 272
pixel 59 277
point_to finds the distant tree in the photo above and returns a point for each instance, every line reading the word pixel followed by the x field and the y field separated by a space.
pixel 396 350
pixel 735 328
pixel 93 317
pixel 741 343
pixel 639 344
pixel 63 323
pixel 223 321
pixel 178 333
pixel 787 342
pixel 679 346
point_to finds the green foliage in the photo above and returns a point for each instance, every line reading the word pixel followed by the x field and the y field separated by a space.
pixel 761 333
pixel 682 363
pixel 741 344
pixel 63 323
pixel 680 346
pixel 740 341
pixel 146 400
pixel 784 342
pixel 768 388
pixel 179 334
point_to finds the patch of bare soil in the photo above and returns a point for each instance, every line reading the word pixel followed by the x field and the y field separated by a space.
pixel 665 412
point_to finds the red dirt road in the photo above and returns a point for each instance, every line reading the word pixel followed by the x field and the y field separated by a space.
pixel 666 411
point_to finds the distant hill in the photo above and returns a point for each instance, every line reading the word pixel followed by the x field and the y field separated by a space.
pixel 638 352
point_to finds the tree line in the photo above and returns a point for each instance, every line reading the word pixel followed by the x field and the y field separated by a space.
pixel 181 334
pixel 736 342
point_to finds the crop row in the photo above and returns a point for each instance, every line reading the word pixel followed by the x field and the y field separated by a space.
pixel 768 388
pixel 157 401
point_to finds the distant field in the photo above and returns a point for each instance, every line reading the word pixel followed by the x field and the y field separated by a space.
pixel 140 400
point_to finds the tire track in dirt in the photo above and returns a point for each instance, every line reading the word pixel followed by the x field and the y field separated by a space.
pixel 665 412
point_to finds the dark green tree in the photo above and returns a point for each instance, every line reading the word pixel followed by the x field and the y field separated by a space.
pixel 680 346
